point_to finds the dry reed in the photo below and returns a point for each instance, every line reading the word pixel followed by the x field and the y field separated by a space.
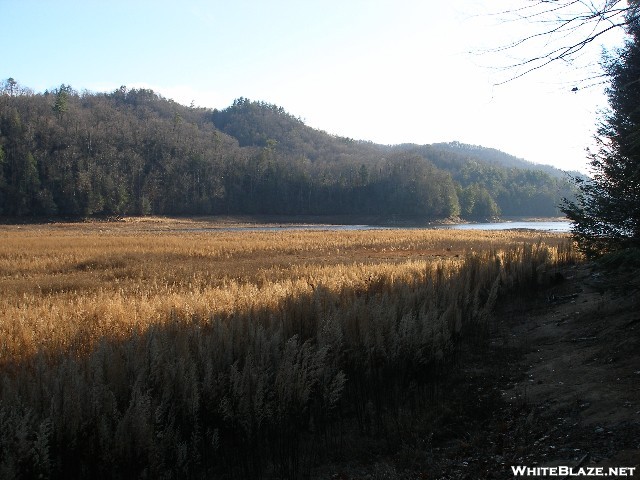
pixel 151 352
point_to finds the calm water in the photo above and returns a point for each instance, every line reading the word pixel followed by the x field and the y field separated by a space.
pixel 555 226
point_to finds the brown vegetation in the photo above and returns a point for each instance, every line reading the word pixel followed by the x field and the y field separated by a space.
pixel 134 349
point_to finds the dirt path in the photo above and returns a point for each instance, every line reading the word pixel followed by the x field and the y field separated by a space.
pixel 564 372
pixel 557 385
pixel 581 343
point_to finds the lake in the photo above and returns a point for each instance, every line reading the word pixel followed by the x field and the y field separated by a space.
pixel 558 226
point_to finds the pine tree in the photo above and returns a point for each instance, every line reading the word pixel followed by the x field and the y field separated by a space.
pixel 606 213
pixel 61 105
pixel 3 181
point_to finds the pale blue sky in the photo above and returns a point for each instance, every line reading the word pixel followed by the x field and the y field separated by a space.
pixel 388 71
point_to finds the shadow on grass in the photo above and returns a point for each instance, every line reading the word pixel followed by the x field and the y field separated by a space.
pixel 259 393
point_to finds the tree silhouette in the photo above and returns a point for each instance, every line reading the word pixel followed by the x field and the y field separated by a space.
pixel 606 214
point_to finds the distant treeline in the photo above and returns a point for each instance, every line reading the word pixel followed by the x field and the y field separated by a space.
pixel 131 151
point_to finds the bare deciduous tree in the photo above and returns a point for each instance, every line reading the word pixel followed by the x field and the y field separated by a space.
pixel 563 29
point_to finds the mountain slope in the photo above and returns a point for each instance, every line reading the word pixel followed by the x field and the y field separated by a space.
pixel 135 152
pixel 488 182
pixel 496 157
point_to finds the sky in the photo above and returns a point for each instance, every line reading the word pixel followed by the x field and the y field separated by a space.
pixel 386 71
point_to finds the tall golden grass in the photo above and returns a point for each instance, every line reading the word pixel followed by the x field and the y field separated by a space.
pixel 137 350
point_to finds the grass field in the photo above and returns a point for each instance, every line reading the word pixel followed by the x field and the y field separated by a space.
pixel 149 348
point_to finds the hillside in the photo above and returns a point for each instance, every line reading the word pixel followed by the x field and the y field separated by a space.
pixel 496 157
pixel 134 152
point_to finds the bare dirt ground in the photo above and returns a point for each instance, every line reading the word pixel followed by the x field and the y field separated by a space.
pixel 557 384
pixel 581 343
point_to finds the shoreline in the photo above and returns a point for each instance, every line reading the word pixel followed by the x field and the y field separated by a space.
pixel 225 221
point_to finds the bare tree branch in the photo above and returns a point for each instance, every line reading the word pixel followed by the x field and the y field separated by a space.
pixel 568 27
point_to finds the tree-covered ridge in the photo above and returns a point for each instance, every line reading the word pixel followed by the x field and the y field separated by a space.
pixel 132 151
pixel 495 157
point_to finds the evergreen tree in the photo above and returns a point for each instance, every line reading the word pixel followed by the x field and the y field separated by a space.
pixel 61 104
pixel 606 213
pixel 3 182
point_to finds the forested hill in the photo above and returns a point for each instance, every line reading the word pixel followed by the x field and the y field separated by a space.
pixel 132 151
pixel 495 157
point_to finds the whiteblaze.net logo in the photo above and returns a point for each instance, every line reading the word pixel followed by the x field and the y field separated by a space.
pixel 563 471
